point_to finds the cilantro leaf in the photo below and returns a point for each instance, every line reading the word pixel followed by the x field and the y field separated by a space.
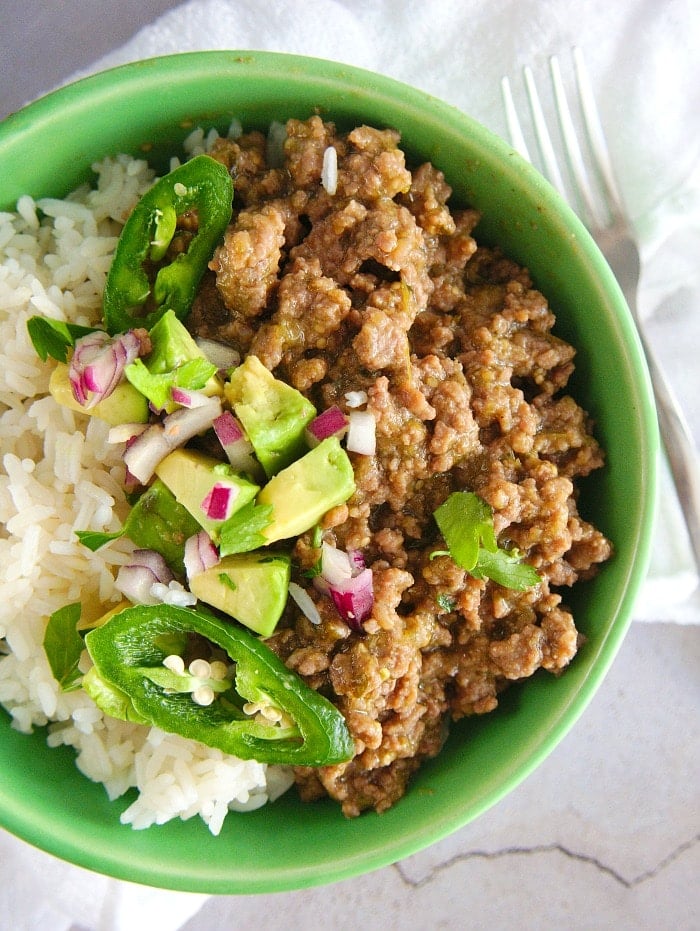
pixel 314 571
pixel 241 533
pixel 505 567
pixel 445 602
pixel 63 646
pixel 157 521
pixel 466 524
pixel 95 539
pixel 157 386
pixel 53 337
pixel 226 580
pixel 317 537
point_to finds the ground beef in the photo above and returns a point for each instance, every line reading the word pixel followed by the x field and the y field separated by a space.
pixel 247 262
pixel 380 287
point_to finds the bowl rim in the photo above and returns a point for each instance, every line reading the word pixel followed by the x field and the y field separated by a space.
pixel 181 68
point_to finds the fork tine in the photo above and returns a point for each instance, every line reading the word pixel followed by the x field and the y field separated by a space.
pixel 544 140
pixel 572 148
pixel 597 213
pixel 594 131
pixel 616 240
pixel 515 130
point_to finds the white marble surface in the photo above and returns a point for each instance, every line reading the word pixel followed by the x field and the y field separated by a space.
pixel 603 835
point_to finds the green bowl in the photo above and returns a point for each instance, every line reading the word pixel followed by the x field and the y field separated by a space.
pixel 149 107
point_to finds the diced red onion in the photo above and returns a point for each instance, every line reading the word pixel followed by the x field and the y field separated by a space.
pixel 155 561
pixel 335 564
pixel 236 445
pixel 329 170
pixel 136 580
pixel 331 422
pixel 174 593
pixel 362 433
pixel 219 354
pixel 147 450
pixel 135 583
pixel 347 582
pixel 186 397
pixel 354 598
pixel 218 502
pixel 143 455
pixel 200 554
pixel 183 424
pixel 357 560
pixel 124 432
pixel 86 350
pixel 356 398
pixel 98 364
pixel 228 429
pixel 130 480
pixel 304 602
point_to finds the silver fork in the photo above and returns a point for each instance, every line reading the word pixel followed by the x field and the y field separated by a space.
pixel 604 215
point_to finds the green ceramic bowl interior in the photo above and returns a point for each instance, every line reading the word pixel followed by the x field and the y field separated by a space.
pixel 149 107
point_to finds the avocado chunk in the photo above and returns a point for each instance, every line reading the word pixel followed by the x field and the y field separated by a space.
pixel 124 405
pixel 172 344
pixel 175 361
pixel 302 493
pixel 194 477
pixel 274 415
pixel 250 587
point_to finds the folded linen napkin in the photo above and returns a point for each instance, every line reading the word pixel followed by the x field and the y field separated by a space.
pixel 641 55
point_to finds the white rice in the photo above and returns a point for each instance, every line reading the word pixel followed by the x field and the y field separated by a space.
pixel 329 172
pixel 60 474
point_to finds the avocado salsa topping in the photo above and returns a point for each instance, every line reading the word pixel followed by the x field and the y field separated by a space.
pixel 193 494
pixel 337 495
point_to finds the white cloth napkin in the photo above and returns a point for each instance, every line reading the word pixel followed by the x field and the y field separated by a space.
pixel 41 892
pixel 643 60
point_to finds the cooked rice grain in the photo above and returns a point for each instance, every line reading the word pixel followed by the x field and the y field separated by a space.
pixel 61 475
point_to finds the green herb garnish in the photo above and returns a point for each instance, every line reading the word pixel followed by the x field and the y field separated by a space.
pixel 445 602
pixel 466 523
pixel 157 521
pixel 53 337
pixel 63 646
pixel 157 387
pixel 226 580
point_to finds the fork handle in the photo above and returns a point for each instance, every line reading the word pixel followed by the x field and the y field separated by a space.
pixel 680 449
